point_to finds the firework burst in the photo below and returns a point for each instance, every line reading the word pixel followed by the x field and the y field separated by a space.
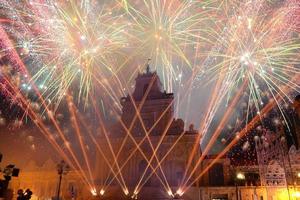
pixel 258 48
pixel 170 33
pixel 63 44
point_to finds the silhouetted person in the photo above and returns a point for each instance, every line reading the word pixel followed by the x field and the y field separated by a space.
pixel 24 195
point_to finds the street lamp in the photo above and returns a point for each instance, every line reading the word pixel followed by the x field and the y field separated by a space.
pixel 62 169
pixel 239 177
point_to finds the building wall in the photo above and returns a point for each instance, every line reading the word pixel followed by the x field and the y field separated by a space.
pixel 43 180
pixel 43 183
pixel 173 165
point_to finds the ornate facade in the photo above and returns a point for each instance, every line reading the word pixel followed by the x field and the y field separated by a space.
pixel 274 165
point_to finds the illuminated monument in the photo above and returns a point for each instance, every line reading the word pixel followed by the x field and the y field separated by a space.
pixel 156 111
pixel 156 108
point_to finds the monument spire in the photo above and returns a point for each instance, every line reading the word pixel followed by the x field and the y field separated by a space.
pixel 148 66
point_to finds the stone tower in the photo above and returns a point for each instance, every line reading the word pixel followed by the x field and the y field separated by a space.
pixel 154 105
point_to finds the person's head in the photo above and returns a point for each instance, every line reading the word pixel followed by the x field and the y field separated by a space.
pixel 20 192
